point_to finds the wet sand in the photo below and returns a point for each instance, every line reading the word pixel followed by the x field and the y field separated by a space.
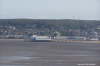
pixel 20 53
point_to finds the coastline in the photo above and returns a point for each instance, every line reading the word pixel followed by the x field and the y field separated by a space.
pixel 69 41
pixel 78 41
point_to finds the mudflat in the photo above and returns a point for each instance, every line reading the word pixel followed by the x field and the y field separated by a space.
pixel 19 53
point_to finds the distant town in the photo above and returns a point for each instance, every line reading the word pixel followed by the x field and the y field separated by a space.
pixel 59 29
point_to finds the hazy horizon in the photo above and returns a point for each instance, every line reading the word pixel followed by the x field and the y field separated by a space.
pixel 50 9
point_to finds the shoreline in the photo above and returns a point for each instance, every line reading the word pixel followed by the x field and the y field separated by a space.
pixel 78 41
pixel 70 41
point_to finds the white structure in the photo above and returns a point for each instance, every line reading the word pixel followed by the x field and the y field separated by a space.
pixel 40 38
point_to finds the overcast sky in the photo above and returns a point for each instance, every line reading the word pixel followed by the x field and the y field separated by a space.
pixel 50 9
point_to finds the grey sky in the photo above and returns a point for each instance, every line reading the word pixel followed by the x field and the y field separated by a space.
pixel 50 9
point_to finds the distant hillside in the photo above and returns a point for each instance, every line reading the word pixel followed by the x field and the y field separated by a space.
pixel 60 25
pixel 60 22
